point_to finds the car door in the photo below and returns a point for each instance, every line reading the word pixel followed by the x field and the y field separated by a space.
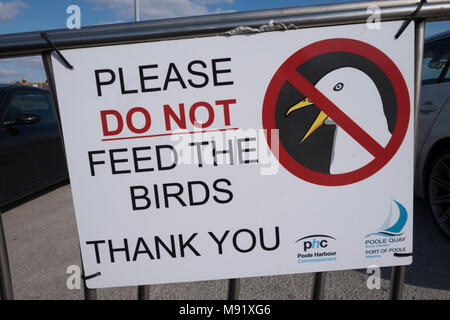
pixel 31 154
pixel 434 91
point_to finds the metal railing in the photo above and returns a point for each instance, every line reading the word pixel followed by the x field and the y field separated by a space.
pixel 32 43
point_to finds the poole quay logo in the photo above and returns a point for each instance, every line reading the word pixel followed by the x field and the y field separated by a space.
pixel 316 248
pixel 395 229
pixel 388 239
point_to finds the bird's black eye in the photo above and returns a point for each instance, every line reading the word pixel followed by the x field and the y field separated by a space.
pixel 338 87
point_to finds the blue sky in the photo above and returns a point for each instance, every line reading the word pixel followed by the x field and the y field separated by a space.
pixel 34 15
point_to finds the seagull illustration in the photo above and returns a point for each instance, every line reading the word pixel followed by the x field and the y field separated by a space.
pixel 355 94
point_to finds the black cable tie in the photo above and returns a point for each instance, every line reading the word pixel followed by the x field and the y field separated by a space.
pixel 402 255
pixel 92 276
pixel 411 18
pixel 50 42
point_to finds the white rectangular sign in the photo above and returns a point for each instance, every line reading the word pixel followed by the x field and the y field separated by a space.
pixel 228 157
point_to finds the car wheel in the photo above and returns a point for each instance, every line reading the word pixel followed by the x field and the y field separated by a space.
pixel 439 190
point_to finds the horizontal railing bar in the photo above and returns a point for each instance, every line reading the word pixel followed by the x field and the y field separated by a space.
pixel 31 43
pixel 203 19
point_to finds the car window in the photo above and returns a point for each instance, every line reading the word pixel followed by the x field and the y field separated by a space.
pixel 34 103
pixel 446 77
pixel 436 61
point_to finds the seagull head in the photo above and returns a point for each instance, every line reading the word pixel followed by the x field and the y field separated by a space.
pixel 355 94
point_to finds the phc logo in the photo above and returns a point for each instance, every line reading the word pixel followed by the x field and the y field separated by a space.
pixel 315 241
pixel 395 222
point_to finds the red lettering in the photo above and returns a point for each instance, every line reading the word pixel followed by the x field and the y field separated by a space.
pixel 226 109
pixel 170 114
pixel 210 110
pixel 106 130
pixel 146 114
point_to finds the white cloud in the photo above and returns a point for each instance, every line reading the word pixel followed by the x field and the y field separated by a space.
pixel 6 75
pixel 109 22
pixel 10 9
pixel 14 69
pixel 220 10
pixel 214 1
pixel 6 72
pixel 159 9
pixel 33 61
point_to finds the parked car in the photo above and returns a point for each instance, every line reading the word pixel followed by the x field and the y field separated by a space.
pixel 432 171
pixel 31 152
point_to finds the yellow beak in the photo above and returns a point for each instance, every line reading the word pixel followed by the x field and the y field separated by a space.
pixel 304 103
pixel 317 123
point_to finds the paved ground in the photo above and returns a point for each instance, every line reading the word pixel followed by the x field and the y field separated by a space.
pixel 42 242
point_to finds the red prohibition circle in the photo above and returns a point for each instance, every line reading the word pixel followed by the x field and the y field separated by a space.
pixel 327 46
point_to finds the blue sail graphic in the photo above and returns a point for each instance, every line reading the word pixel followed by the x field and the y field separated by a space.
pixel 397 227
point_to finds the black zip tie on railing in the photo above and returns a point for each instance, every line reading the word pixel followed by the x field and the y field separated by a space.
pixel 92 276
pixel 402 255
pixel 411 18
pixel 50 42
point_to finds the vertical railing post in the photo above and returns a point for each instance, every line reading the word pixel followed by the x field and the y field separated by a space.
pixel 418 48
pixel 143 293
pixel 6 289
pixel 234 286
pixel 398 272
pixel 89 294
pixel 318 288
pixel 397 282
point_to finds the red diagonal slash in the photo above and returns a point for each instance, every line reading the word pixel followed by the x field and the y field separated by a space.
pixel 341 119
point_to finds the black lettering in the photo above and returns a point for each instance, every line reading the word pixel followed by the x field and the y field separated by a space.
pixel 241 150
pixel 172 67
pixel 228 192
pixel 136 159
pixel 215 152
pixel 198 73
pixel 215 72
pixel 114 250
pixel 122 84
pixel 252 235
pixel 175 195
pixel 192 202
pixel 158 157
pixel 199 150
pixel 96 243
pixel 144 197
pixel 92 162
pixel 170 251
pixel 219 242
pixel 183 245
pixel 277 239
pixel 146 249
pixel 144 78
pixel 102 83
pixel 155 189
pixel 114 161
